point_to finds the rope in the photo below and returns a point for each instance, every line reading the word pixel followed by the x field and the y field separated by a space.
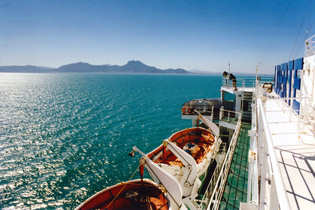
pixel 163 205
pixel 122 188
pixel 162 194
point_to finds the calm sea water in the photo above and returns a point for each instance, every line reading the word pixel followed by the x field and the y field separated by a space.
pixel 64 137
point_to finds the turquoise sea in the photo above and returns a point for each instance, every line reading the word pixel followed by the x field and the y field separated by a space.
pixel 64 137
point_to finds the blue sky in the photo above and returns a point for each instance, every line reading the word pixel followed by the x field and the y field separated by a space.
pixel 194 34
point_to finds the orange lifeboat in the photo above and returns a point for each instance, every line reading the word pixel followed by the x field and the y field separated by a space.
pixel 135 194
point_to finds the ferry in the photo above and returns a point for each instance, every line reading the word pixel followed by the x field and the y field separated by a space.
pixel 265 155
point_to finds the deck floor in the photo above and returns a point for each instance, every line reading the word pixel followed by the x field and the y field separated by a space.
pixel 236 185
pixel 296 155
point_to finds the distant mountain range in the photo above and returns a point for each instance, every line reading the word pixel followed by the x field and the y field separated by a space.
pixel 132 67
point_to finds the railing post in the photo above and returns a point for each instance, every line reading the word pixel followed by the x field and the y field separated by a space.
pixel 274 203
pixel 263 178
pixel 229 116
pixel 298 125
pixel 212 113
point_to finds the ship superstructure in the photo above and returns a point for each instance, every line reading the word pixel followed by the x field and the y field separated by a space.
pixel 282 147
pixel 271 165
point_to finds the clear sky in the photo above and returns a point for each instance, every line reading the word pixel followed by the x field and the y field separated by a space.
pixel 189 34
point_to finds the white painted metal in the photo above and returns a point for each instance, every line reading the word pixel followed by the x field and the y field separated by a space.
pixel 169 182
pixel 213 127
pixel 243 82
pixel 310 46
pixel 274 202
pixel 230 115
pixel 195 118
pixel 267 148
pixel 227 125
pixel 252 184
pixel 188 179
pixel 308 89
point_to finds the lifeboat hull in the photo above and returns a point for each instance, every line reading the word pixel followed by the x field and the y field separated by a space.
pixel 135 194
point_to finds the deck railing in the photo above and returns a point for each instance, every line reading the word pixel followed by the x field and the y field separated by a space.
pixel 303 116
pixel 215 189
pixel 206 110
pixel 228 115
pixel 272 191
pixel 244 82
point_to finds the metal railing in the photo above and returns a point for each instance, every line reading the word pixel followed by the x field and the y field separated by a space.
pixel 306 112
pixel 202 109
pixel 310 46
pixel 307 103
pixel 244 82
pixel 265 167
pixel 228 115
pixel 214 191
pixel 272 191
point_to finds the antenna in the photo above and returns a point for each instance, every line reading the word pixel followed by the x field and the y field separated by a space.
pixel 229 68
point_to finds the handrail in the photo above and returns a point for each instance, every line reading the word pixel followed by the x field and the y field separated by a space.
pixel 244 82
pixel 205 109
pixel 226 110
pixel 199 107
pixel 304 114
pixel 218 188
pixel 223 111
pixel 280 190
pixel 225 167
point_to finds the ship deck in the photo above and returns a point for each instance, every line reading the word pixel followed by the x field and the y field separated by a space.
pixel 236 186
pixel 295 153
pixel 239 89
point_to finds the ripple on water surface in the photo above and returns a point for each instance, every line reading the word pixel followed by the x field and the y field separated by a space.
pixel 64 137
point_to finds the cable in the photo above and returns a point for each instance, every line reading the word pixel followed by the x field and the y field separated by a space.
pixel 297 36
pixel 307 32
pixel 274 35
pixel 125 184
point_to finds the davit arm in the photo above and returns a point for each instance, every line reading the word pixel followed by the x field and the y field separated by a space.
pixel 188 161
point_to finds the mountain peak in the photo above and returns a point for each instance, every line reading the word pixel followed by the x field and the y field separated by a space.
pixel 134 62
pixel 80 63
